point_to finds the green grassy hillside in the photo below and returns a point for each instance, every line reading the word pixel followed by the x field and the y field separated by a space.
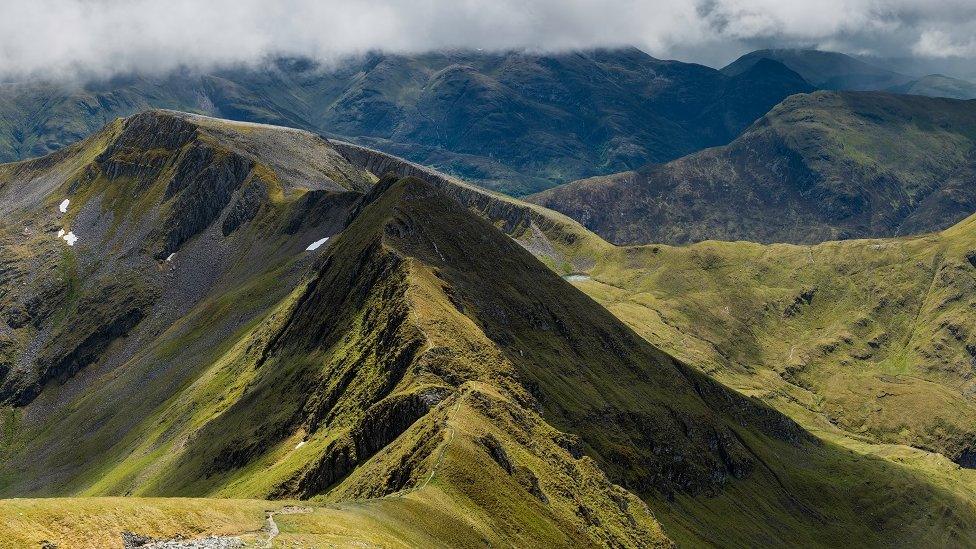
pixel 818 331
pixel 871 337
pixel 820 166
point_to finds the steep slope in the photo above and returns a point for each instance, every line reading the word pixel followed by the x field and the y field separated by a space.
pixel 824 69
pixel 115 241
pixel 937 85
pixel 820 166
pixel 426 373
pixel 505 217
pixel 878 359
pixel 512 121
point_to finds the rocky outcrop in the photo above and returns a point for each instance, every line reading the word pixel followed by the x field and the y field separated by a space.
pixel 103 315
pixel 202 185
pixel 383 423
pixel 247 205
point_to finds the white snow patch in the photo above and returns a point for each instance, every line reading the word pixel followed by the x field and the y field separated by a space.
pixel 300 444
pixel 60 233
pixel 70 238
pixel 576 277
pixel 64 205
pixel 171 256
pixel 315 245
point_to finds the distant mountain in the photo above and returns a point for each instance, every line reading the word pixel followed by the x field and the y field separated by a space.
pixel 937 85
pixel 824 69
pixel 515 122
pixel 956 67
pixel 201 337
pixel 820 166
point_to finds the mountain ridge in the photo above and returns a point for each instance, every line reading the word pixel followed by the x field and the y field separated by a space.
pixel 817 167
pixel 569 115
pixel 437 368
pixel 683 310
pixel 824 69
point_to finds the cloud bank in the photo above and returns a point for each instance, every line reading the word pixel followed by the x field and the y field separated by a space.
pixel 104 37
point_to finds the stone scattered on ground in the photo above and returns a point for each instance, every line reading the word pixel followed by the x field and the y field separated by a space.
pixel 136 541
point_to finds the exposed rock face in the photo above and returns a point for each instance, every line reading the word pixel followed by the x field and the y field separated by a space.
pixel 144 190
pixel 246 207
pixel 204 180
pixel 89 350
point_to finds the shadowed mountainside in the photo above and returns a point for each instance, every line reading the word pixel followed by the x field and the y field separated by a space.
pixel 820 166
pixel 824 69
pixel 514 121
pixel 837 71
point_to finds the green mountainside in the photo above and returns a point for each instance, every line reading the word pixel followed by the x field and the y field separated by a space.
pixel 867 338
pixel 901 306
pixel 820 166
pixel 515 121
pixel 879 360
pixel 420 377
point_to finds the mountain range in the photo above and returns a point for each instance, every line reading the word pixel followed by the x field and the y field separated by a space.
pixel 254 312
pixel 470 299
pixel 819 166
pixel 837 71
pixel 516 122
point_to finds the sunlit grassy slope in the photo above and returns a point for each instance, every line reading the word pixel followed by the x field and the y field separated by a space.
pixel 568 248
pixel 99 522
pixel 469 416
pixel 871 337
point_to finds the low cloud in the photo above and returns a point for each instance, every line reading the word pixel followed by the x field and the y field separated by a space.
pixel 104 37
pixel 936 43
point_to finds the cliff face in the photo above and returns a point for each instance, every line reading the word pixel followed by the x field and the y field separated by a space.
pixel 145 197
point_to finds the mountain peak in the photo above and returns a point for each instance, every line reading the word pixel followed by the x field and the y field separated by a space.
pixel 800 148
pixel 823 69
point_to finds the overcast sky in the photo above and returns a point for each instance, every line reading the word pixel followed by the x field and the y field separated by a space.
pixel 100 37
